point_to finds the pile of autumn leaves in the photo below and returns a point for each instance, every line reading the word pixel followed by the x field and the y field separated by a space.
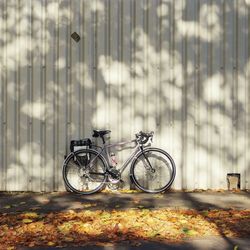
pixel 99 227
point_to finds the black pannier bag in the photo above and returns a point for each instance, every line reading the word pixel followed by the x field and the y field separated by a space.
pixel 83 159
pixel 80 143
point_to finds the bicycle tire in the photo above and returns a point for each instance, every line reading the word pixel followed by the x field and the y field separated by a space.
pixel 80 162
pixel 144 178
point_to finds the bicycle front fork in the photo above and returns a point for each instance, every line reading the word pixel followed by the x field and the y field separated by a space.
pixel 148 165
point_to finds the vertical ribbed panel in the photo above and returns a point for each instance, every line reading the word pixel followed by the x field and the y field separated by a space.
pixel 180 68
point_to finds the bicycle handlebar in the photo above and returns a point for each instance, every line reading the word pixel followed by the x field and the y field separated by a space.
pixel 143 137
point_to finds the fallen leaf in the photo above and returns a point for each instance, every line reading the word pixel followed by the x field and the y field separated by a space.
pixel 205 213
pixel 32 244
pixel 30 215
pixel 34 208
pixel 89 205
pixel 183 221
pixel 189 232
pixel 136 201
pixel 158 196
pixel 116 228
pixel 140 207
pixel 27 221
pixel 51 243
pixel 69 239
pixel 174 219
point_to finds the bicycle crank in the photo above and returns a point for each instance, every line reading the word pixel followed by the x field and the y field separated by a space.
pixel 116 186
pixel 114 176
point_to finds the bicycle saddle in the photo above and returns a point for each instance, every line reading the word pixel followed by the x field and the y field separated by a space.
pixel 100 133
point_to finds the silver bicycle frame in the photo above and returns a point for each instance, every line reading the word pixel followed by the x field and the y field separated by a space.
pixel 105 149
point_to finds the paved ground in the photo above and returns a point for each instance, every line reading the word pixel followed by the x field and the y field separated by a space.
pixel 211 243
pixel 47 202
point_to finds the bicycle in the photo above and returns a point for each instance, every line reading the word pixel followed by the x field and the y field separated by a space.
pixel 86 171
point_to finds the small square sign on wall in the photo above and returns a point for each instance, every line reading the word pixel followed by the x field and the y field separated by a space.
pixel 233 181
pixel 75 37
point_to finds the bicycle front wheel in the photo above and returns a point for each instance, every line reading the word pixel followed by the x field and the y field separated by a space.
pixel 84 171
pixel 153 170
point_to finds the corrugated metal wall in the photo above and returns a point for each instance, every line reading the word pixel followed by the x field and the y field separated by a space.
pixel 180 68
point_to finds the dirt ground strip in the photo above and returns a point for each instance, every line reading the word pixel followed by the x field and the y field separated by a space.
pixel 99 226
pixel 67 220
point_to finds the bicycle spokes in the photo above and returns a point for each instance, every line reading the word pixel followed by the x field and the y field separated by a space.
pixel 153 170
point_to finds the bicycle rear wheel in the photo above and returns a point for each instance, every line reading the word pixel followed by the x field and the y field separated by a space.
pixel 153 170
pixel 84 171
